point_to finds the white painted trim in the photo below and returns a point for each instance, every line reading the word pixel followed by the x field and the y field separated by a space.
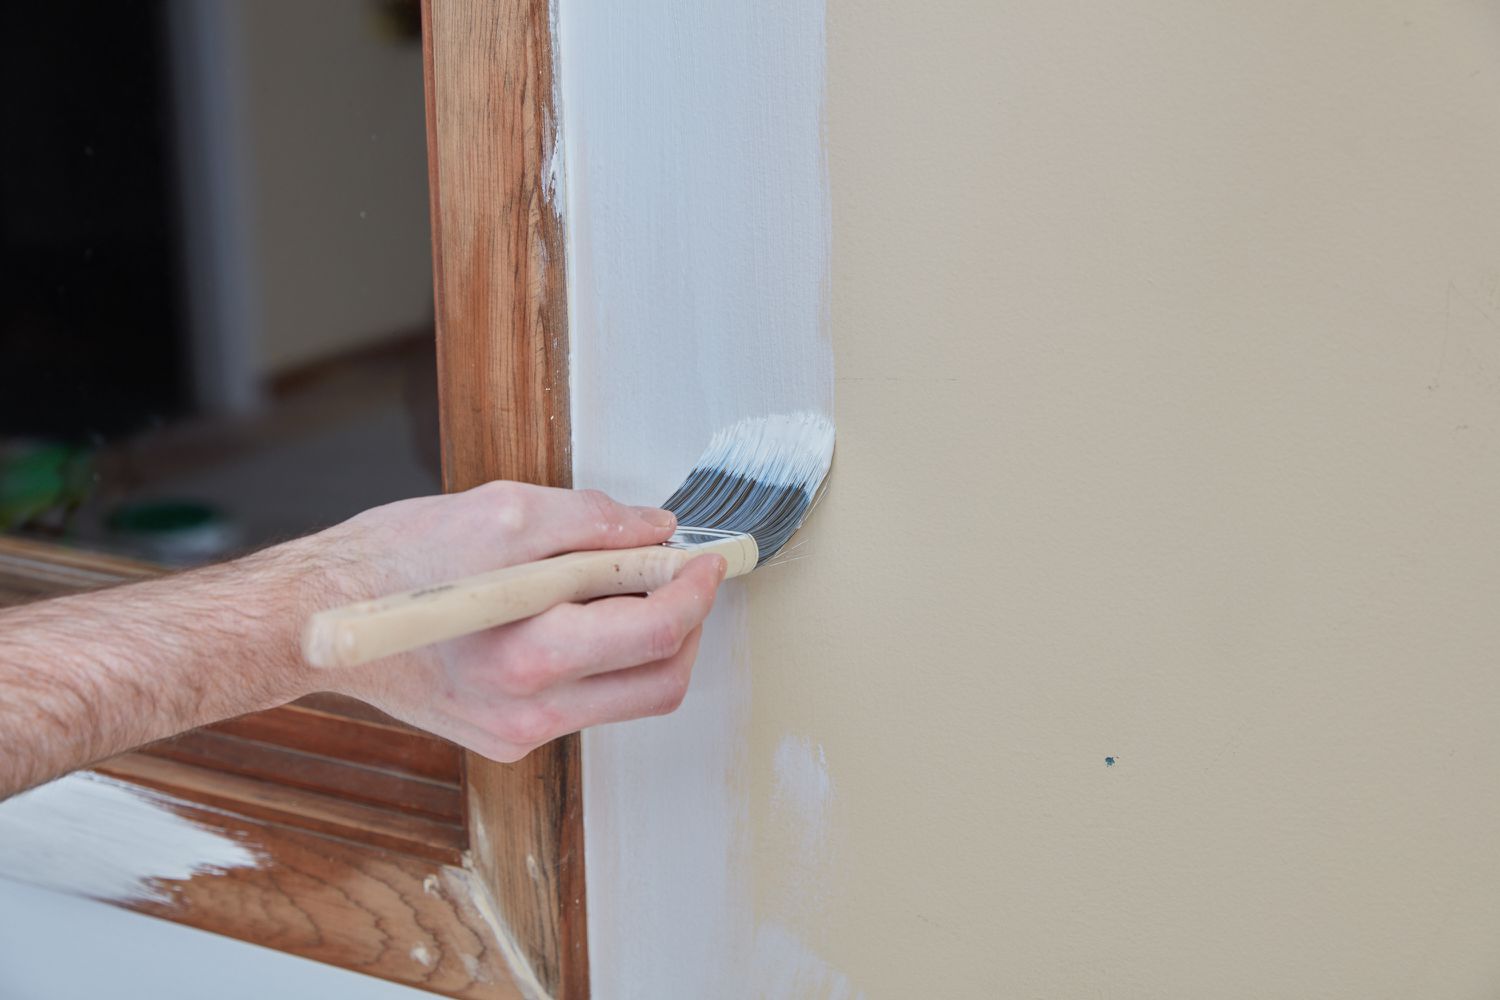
pixel 88 835
pixel 697 220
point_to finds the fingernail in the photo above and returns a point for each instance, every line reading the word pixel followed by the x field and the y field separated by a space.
pixel 723 567
pixel 656 517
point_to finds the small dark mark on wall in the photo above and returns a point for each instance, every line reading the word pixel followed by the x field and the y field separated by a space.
pixel 1109 762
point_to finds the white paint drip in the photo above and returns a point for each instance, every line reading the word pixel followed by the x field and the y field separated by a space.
pixel 89 835
pixel 464 885
pixel 553 164
pixel 422 956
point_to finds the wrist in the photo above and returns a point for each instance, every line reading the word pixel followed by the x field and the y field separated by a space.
pixel 322 571
pixel 299 578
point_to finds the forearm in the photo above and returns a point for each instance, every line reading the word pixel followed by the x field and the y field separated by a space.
pixel 92 675
pixel 86 677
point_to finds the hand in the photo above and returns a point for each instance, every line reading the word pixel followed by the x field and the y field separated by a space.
pixel 508 690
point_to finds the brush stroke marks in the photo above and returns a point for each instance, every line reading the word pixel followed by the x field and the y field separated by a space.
pixel 698 225
pixel 801 794
pixel 784 968
pixel 41 833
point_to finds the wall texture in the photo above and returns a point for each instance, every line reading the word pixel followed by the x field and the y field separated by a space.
pixel 1167 355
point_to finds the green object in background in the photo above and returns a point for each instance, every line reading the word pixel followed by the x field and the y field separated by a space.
pixel 161 517
pixel 40 479
pixel 175 532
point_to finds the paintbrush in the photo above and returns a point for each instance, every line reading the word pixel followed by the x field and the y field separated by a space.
pixel 743 500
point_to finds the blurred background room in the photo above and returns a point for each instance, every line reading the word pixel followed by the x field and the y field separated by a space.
pixel 216 324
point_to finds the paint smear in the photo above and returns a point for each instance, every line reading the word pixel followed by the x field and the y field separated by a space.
pixel 785 968
pixel 89 835
pixel 801 794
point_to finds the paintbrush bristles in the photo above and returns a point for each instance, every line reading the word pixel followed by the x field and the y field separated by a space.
pixel 758 477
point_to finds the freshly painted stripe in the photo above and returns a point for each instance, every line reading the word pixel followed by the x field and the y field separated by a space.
pixel 89 835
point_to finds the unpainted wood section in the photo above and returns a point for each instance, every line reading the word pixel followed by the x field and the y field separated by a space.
pixel 30 570
pixel 277 803
pixel 502 373
pixel 350 708
pixel 372 786
pixel 394 916
pixel 396 748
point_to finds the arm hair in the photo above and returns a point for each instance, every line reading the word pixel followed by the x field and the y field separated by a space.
pixel 92 675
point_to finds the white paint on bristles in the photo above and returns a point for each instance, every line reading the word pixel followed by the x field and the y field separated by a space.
pixel 758 477
pixel 697 221
pixel 92 836
pixel 782 450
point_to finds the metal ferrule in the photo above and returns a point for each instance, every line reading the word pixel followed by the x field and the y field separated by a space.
pixel 737 548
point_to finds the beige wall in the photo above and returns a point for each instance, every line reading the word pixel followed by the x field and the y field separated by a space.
pixel 338 178
pixel 1167 342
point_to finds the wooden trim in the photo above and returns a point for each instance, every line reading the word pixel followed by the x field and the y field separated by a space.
pixel 410 920
pixel 278 803
pixel 394 748
pixel 313 772
pixel 498 259
pixel 31 569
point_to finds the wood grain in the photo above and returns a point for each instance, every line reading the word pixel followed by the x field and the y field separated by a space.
pixel 277 803
pixel 401 918
pixel 337 704
pixel 396 748
pixel 498 258
pixel 312 772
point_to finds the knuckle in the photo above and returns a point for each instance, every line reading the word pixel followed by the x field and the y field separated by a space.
pixel 665 638
pixel 528 671
pixel 677 691
pixel 526 726
pixel 508 505
pixel 674 691
pixel 500 751
pixel 600 508
pixel 567 619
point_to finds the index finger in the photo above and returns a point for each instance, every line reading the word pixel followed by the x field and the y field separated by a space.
pixel 550 521
pixel 572 641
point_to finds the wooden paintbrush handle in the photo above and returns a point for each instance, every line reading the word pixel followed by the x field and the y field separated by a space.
pixel 358 633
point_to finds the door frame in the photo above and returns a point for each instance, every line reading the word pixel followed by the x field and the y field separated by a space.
pixel 506 918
